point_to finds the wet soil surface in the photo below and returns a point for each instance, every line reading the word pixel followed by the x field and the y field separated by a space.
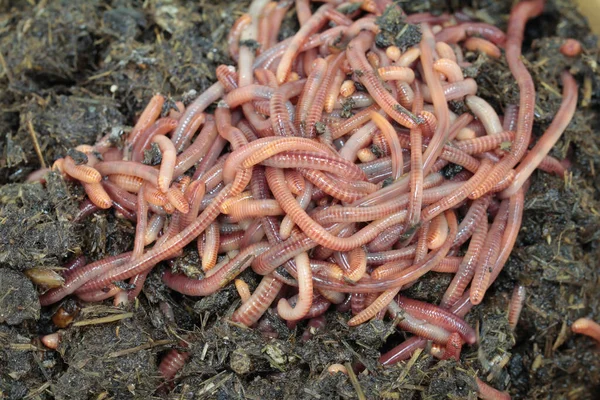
pixel 73 71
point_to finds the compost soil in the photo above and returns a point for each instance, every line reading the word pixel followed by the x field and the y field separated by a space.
pixel 73 71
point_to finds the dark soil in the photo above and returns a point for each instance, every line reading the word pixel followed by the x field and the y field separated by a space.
pixel 74 71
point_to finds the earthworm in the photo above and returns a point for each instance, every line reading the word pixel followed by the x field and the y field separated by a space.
pixel 368 77
pixel 461 158
pixel 408 57
pixel 587 327
pixel 393 52
pixel 275 20
pixel 437 316
pixel 392 138
pixel 199 148
pixel 80 276
pixel 177 200
pixel 515 306
pixel 459 195
pixel 255 152
pixel 252 309
pixel 263 25
pixel 315 80
pixel 129 183
pixel 486 392
pixel 485 143
pixel 360 138
pixel 218 279
pixel 305 291
pixel 83 173
pixel 243 290
pixel 467 267
pixel 396 73
pixel 346 89
pixel 148 116
pixel 172 246
pixel 515 217
pixel 439 102
pixel 458 33
pixel 571 48
pixel 198 106
pixel 308 118
pixel 485 113
pixel 159 128
pixel 86 208
pixel 155 224
pixel 172 362
pixel 167 165
pixel 560 122
pixel 488 256
pixel 295 181
pixel 483 46
pixel 417 326
pixel 318 233
pixel 254 208
pixel 99 295
pixel 211 246
pixel 451 350
pixel 522 12
pixel 449 68
pixel 97 195
pixel 133 168
pixel 453 90
pixel 316 161
pixel 551 165
pixel 357 120
pixel 303 199
pixel 405 349
pixel 141 224
pixel 445 51
pixel 379 258
pixel 408 275
pixel 311 25
pixel 437 232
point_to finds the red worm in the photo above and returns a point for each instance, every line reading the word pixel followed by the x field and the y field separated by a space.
pixel 368 77
pixel 148 116
pixel 516 305
pixel 587 327
pixel 252 309
pixel 560 122
pixel 80 276
pixel 486 392
pixel 217 280
pixel 522 12
pixel 438 316
pixel 160 127
pixel 172 362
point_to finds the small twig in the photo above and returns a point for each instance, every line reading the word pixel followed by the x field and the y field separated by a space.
pixel 22 347
pixel 103 320
pixel 38 391
pixel 409 365
pixel 416 119
pixel 355 383
pixel 5 67
pixel 144 346
pixel 8 292
pixel 36 144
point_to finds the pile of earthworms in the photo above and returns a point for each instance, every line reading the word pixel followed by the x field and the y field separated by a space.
pixel 334 169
